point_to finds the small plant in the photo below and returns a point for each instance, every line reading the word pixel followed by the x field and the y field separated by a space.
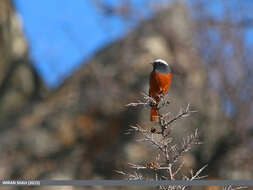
pixel 167 165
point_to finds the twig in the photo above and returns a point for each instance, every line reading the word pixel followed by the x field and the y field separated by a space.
pixel 148 101
pixel 181 115
pixel 169 151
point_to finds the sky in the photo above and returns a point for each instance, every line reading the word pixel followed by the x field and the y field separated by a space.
pixel 64 34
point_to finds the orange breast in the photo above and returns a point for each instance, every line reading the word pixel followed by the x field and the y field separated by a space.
pixel 159 84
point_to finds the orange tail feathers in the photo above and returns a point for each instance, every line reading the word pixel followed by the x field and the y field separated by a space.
pixel 154 115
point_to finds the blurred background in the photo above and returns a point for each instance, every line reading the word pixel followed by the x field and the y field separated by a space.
pixel 68 68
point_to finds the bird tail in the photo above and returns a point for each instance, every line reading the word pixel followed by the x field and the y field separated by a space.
pixel 154 115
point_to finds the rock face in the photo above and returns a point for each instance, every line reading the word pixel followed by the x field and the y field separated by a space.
pixel 77 132
pixel 19 83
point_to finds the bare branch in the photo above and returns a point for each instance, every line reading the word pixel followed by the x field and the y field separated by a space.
pixel 182 114
pixel 147 101
pixel 170 152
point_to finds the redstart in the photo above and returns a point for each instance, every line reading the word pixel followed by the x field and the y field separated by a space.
pixel 160 80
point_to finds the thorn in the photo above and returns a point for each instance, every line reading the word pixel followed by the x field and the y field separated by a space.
pixel 153 130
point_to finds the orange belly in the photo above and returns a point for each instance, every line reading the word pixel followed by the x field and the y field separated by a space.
pixel 159 84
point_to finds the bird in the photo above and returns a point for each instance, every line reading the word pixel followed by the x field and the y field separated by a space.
pixel 159 84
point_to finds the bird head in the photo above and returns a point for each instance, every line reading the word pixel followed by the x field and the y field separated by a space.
pixel 161 66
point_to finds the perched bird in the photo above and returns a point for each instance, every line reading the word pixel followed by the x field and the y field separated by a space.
pixel 160 80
